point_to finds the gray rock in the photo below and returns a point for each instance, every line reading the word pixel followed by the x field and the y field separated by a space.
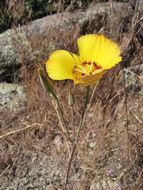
pixel 42 173
pixel 12 96
pixel 18 45
pixel 105 184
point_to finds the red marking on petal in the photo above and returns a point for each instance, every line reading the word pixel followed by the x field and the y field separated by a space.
pixel 96 66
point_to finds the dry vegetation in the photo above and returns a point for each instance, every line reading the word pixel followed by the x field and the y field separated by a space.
pixel 34 153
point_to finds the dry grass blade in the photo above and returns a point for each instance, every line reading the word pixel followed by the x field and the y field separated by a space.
pixel 20 130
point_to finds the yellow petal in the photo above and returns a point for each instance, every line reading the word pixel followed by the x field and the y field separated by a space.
pixel 90 79
pixel 99 49
pixel 86 45
pixel 60 65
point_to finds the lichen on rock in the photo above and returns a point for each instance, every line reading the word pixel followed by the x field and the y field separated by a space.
pixel 12 96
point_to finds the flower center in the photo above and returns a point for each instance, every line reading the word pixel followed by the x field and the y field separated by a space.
pixel 86 68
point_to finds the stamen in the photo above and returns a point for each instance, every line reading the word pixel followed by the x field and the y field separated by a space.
pixel 91 67
pixel 80 69
pixel 86 68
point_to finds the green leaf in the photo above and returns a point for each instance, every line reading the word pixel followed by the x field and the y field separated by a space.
pixel 70 98
pixel 46 83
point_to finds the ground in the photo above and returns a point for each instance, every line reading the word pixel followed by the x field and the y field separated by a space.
pixel 35 154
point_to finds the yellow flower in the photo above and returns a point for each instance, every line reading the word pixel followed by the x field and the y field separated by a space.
pixel 97 54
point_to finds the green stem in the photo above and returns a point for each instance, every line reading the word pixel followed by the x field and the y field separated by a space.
pixel 83 114
pixel 69 166
pixel 78 133
pixel 88 100
pixel 59 112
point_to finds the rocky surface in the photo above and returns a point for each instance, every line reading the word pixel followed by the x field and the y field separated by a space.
pixel 105 184
pixel 17 44
pixel 22 46
pixel 26 162
pixel 27 177
pixel 12 96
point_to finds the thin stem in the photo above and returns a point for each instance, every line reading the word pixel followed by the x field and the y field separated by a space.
pixel 93 92
pixel 77 137
pixel 72 121
pixel 47 85
pixel 88 100
pixel 83 114
pixel 69 165
pixel 61 117
pixel 59 112
pixel 126 110
pixel 126 103
pixel 86 108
